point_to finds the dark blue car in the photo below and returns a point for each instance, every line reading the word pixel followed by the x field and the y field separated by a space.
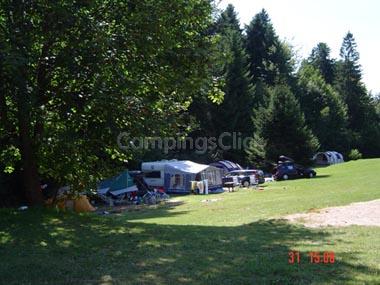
pixel 290 170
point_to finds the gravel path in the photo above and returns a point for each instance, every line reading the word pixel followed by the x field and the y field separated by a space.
pixel 362 214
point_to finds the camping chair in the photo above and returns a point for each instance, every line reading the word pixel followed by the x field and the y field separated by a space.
pixel 142 186
pixel 102 194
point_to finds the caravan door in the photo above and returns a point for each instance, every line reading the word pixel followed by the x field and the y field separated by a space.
pixel 153 173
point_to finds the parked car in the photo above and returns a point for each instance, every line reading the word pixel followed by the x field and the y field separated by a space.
pixel 243 176
pixel 289 170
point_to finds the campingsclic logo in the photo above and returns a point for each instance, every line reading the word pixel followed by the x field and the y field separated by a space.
pixel 225 141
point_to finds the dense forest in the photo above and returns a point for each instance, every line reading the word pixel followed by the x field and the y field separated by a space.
pixel 74 75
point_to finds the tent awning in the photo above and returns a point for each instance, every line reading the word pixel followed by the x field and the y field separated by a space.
pixel 185 166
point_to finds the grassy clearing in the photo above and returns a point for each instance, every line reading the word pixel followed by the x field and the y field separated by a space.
pixel 234 240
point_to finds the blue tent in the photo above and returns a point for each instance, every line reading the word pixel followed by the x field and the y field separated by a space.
pixel 226 166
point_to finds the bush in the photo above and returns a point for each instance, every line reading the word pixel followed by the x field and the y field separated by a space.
pixel 354 154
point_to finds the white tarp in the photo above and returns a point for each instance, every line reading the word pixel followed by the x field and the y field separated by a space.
pixel 185 166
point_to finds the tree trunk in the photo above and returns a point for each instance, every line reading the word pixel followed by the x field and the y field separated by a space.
pixel 31 181
pixel 30 177
pixel 20 33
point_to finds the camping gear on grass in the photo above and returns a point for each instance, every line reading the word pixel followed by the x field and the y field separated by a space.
pixel 81 205
pixel 116 189
pixel 78 204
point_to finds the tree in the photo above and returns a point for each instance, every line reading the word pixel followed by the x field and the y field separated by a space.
pixel 325 112
pixel 269 59
pixel 231 67
pixel 76 74
pixel 234 114
pixel 270 62
pixel 349 82
pixel 363 120
pixel 377 103
pixel 228 20
pixel 320 59
pixel 284 131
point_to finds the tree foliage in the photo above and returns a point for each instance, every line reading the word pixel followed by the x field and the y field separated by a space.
pixel 325 112
pixel 364 122
pixel 321 60
pixel 76 74
pixel 269 58
pixel 283 130
pixel 234 113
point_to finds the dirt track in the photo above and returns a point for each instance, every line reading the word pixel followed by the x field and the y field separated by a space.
pixel 363 214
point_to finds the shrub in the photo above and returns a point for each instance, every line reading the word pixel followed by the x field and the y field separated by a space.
pixel 354 154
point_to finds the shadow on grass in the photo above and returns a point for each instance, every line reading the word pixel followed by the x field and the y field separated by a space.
pixel 145 211
pixel 40 247
pixel 322 176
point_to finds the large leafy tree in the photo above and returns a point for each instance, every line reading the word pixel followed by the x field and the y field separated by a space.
pixel 76 74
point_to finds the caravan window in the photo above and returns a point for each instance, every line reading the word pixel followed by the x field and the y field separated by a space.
pixel 153 174
pixel 176 181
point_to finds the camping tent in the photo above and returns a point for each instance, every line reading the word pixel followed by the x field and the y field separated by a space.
pixel 226 166
pixel 177 175
pixel 117 185
pixel 328 158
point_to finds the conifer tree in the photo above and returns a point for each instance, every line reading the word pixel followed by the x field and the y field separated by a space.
pixel 363 119
pixel 268 57
pixel 325 112
pixel 235 112
pixel 283 130
pixel 320 59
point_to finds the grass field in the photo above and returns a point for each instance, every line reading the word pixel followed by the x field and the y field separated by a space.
pixel 238 239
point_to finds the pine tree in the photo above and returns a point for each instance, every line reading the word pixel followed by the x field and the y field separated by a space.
pixel 325 112
pixel 363 120
pixel 269 62
pixel 320 59
pixel 284 129
pixel 235 112
pixel 268 57
pixel 228 20
pixel 349 82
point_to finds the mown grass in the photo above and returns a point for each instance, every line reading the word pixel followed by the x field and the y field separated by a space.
pixel 237 239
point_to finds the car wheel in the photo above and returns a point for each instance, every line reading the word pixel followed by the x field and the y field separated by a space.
pixel 311 174
pixel 246 183
pixel 285 177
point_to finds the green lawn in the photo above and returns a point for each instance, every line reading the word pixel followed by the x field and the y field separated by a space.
pixel 238 239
